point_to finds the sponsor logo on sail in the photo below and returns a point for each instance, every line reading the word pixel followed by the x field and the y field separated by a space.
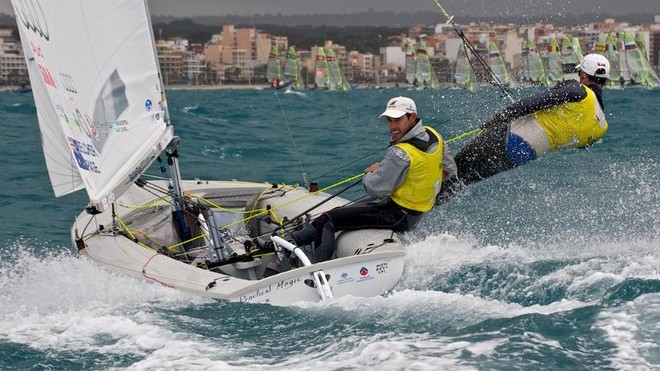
pixel 66 81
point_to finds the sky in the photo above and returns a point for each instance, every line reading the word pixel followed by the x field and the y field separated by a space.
pixel 189 8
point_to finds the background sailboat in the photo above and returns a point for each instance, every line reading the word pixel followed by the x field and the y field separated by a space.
pixel 652 80
pixel 411 63
pixel 322 73
pixel 463 75
pixel 292 69
pixel 535 71
pixel 638 74
pixel 274 68
pixel 424 75
pixel 571 55
pixel 555 69
pixel 337 79
pixel 612 55
pixel 498 66
pixel 624 71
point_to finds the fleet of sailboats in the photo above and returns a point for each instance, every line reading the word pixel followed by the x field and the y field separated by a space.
pixel 328 73
pixel 626 52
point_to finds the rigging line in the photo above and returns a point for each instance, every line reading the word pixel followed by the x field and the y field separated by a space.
pixel 494 79
pixel 452 139
pixel 279 101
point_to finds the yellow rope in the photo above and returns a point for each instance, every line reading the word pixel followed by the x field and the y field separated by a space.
pixel 464 135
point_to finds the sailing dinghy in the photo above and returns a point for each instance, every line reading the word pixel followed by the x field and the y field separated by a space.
pixel 103 118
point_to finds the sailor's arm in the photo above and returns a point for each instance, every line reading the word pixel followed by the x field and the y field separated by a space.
pixel 382 178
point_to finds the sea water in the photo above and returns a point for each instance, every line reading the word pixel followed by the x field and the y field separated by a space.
pixel 554 265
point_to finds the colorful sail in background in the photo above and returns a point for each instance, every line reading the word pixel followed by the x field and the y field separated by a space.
pixel 497 65
pixel 321 74
pixel 274 67
pixel 571 55
pixel 337 79
pixel 411 63
pixel 463 75
pixel 555 71
pixel 424 75
pixel 533 64
pixel 292 69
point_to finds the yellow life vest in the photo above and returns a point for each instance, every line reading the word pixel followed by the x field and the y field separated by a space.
pixel 423 179
pixel 573 124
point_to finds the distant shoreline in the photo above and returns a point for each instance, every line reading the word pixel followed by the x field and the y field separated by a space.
pixel 228 87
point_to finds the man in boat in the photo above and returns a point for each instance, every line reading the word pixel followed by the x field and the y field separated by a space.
pixel 400 188
pixel 570 115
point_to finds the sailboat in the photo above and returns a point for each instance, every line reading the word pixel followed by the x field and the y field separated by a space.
pixel 424 75
pixel 338 80
pixel 624 71
pixel 463 75
pixel 411 63
pixel 292 69
pixel 218 239
pixel 533 65
pixel 612 55
pixel 571 55
pixel 322 71
pixel 638 66
pixel 274 70
pixel 633 60
pixel 497 65
pixel 555 69
pixel 651 77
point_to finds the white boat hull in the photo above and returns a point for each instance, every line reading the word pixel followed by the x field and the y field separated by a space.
pixel 367 262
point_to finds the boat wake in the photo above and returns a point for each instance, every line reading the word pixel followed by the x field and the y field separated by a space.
pixel 60 301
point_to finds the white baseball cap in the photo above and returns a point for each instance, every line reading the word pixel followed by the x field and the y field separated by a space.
pixel 398 107
pixel 595 65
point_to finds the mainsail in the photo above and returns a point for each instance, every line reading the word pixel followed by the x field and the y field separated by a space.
pixel 101 109
pixel 322 75
pixel 555 74
pixel 337 79
pixel 274 67
pixel 411 63
pixel 534 64
pixel 571 55
pixel 612 55
pixel 623 62
pixel 463 74
pixel 633 59
pixel 497 64
pixel 424 71
pixel 652 79
pixel 292 69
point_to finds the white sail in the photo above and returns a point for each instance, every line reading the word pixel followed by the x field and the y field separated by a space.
pixel 555 73
pixel 101 107
pixel 463 72
pixel 411 63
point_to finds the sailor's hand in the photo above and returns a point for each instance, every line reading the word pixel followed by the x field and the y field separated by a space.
pixel 373 167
